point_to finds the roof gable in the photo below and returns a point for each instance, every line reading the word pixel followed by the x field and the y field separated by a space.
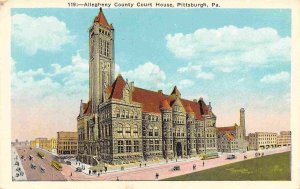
pixel 151 100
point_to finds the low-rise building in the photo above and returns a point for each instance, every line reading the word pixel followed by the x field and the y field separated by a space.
pixel 262 140
pixel 284 139
pixel 44 143
pixel 67 143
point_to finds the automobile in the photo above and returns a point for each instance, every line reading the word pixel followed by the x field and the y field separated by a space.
pixel 21 173
pixel 68 162
pixel 17 163
pixel 22 156
pixel 17 174
pixel 176 168
pixel 30 157
pixel 33 166
pixel 18 169
pixel 43 170
pixel 78 169
pixel 231 156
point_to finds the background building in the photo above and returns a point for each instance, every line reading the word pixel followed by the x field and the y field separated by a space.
pixel 262 140
pixel 284 138
pixel 67 143
pixel 122 123
pixel 233 138
pixel 44 143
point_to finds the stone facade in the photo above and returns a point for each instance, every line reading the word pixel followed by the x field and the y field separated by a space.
pixel 122 123
pixel 233 138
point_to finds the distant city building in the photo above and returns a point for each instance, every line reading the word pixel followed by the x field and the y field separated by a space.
pixel 67 143
pixel 122 123
pixel 284 138
pixel 262 140
pixel 233 138
pixel 44 143
pixel 18 143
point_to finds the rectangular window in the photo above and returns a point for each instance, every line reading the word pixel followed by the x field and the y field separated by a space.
pixel 150 133
pixel 156 133
pixel 128 142
pixel 128 148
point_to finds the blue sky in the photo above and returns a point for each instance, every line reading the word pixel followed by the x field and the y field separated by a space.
pixel 232 57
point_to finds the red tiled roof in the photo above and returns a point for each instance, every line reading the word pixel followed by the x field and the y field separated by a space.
pixel 229 136
pixel 165 105
pixel 151 100
pixel 102 20
pixel 188 108
pixel 224 129
pixel 88 108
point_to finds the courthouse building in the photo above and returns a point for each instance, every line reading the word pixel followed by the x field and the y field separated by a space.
pixel 123 123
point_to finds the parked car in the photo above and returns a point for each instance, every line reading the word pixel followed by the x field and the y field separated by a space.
pixel 68 162
pixel 43 170
pixel 78 169
pixel 176 168
pixel 17 163
pixel 231 156
pixel 33 166
pixel 30 157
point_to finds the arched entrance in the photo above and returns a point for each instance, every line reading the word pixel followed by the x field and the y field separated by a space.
pixel 178 149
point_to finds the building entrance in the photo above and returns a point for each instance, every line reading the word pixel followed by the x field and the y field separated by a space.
pixel 179 149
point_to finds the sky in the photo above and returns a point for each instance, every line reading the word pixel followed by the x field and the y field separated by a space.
pixel 233 58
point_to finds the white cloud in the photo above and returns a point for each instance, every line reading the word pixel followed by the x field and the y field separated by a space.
pixel 68 80
pixel 45 33
pixel 147 75
pixel 185 83
pixel 47 102
pixel 196 70
pixel 231 48
pixel 276 78
pixel 204 75
pixel 117 70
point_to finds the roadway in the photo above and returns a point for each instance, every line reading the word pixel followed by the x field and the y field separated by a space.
pixel 36 174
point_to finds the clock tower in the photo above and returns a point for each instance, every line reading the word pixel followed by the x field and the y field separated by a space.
pixel 101 59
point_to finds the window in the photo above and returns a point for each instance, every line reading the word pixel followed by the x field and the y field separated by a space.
pixel 150 133
pixel 128 148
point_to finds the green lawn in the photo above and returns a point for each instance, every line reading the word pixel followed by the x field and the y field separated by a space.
pixel 272 167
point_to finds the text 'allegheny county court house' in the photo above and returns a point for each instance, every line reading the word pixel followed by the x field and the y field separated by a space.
pixel 122 123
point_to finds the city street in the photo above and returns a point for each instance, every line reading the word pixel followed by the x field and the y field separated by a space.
pixel 36 174
pixel 164 171
pixel 135 173
pixel 18 172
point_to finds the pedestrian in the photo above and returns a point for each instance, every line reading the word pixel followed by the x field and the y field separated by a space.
pixel 140 165
pixel 100 171
pixel 89 172
pixel 117 178
pixel 203 163
pixel 156 175
pixel 71 173
pixel 145 164
pixel 98 174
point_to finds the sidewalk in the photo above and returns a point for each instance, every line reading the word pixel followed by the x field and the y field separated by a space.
pixel 15 158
